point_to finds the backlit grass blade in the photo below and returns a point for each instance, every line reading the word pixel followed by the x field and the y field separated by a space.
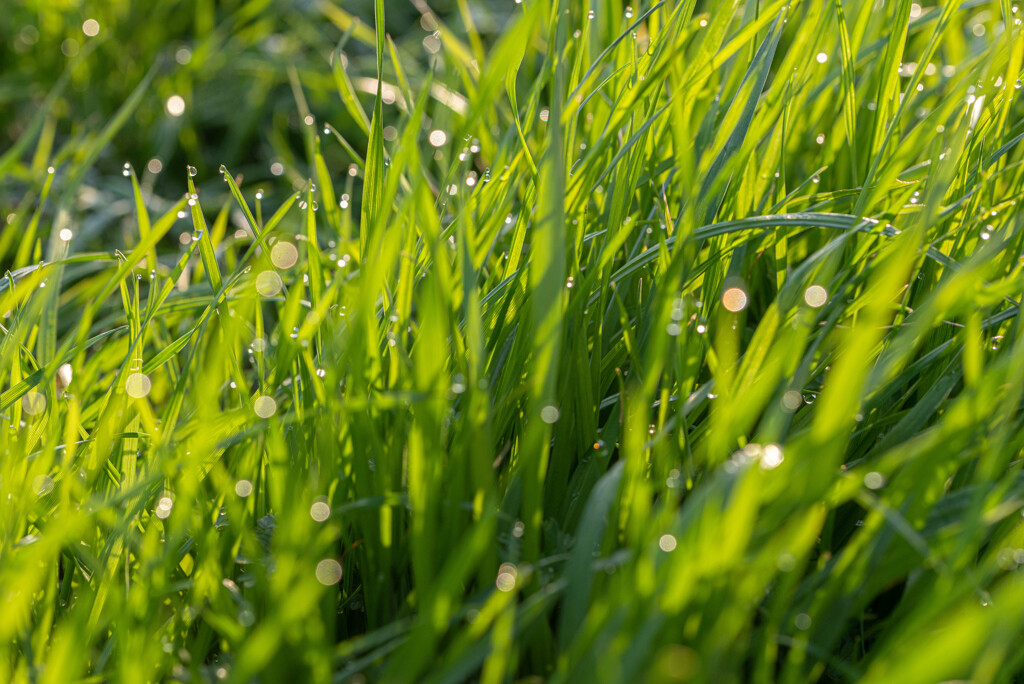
pixel 373 181
pixel 547 297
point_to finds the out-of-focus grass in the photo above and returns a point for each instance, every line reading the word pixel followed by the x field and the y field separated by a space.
pixel 578 341
pixel 238 68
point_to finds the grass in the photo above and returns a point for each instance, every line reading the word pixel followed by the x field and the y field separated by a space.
pixel 565 341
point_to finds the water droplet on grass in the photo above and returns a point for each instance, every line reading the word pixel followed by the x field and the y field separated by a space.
pixel 175 105
pixel 437 137
pixel 33 403
pixel 792 400
pixel 284 254
pixel 163 507
pixel 815 296
pixel 138 385
pixel 268 283
pixel 734 299
pixel 320 511
pixel 42 485
pixel 328 572
pixel 264 406
pixel 771 457
pixel 506 580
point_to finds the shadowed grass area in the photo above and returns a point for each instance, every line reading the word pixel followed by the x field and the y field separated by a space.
pixel 556 340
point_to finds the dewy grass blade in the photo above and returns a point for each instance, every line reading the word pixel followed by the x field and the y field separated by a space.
pixel 888 70
pixel 347 92
pixel 373 183
pixel 849 89
pixel 142 216
pixel 746 100
pixel 547 301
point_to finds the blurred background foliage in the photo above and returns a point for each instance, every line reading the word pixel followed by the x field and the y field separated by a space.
pixel 237 65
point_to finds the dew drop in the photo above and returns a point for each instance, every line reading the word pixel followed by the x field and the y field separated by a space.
pixel 734 299
pixel 284 254
pixel 175 105
pixel 328 571
pixel 264 406
pixel 320 511
pixel 437 137
pixel 138 385
pixel 815 296
pixel 33 403
pixel 268 283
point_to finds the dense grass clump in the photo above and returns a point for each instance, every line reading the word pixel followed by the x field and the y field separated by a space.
pixel 557 340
